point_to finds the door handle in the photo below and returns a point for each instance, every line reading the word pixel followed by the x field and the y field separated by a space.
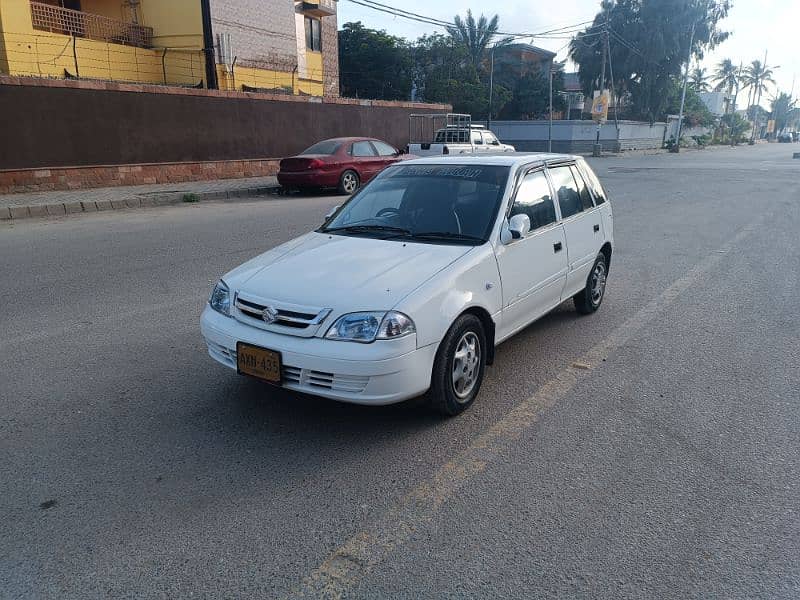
pixel 596 228
pixel 557 247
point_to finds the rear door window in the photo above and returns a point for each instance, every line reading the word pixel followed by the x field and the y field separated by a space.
pixel 535 200
pixel 384 149
pixel 476 138
pixel 569 198
pixel 363 149
pixel 593 182
pixel 583 189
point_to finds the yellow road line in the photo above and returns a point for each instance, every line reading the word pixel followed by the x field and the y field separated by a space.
pixel 364 551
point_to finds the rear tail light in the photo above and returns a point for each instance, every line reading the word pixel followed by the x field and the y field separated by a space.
pixel 446 150
pixel 315 163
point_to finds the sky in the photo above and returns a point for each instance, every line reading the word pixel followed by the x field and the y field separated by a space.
pixel 755 25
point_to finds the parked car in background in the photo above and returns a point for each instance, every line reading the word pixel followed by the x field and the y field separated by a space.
pixel 785 137
pixel 474 139
pixel 408 287
pixel 451 133
pixel 341 163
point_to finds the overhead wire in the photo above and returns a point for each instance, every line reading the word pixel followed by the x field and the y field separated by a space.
pixel 399 12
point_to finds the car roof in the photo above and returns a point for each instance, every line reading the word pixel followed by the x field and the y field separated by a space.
pixel 505 159
pixel 350 139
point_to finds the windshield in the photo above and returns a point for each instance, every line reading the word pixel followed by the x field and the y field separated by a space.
pixel 326 147
pixel 429 203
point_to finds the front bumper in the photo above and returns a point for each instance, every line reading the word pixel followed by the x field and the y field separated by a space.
pixel 337 370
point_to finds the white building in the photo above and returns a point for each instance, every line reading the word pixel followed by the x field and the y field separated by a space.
pixel 717 102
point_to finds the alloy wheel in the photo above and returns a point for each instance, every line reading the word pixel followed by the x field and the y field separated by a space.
pixel 466 365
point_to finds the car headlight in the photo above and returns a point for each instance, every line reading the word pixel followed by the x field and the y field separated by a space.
pixel 220 299
pixel 366 327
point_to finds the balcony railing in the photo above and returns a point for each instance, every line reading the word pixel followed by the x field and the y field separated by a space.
pixel 55 19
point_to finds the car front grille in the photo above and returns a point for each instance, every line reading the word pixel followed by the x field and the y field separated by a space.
pixel 273 316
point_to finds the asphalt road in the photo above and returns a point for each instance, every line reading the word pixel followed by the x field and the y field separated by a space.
pixel 648 451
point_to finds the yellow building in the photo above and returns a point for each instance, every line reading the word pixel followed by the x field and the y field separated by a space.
pixel 287 46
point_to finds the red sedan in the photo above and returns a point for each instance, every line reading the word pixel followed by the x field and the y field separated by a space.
pixel 342 163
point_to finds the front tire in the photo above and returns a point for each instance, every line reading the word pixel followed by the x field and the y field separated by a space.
pixel 349 182
pixel 459 367
pixel 589 299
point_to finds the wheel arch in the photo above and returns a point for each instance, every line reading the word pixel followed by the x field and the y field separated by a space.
pixel 488 327
pixel 606 250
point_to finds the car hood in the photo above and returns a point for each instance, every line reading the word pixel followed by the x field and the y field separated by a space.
pixel 343 273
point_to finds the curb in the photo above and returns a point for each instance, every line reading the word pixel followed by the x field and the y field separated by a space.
pixel 59 209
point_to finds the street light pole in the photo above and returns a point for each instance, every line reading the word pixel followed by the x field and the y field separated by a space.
pixel 683 94
pixel 597 150
pixel 491 89
pixel 550 127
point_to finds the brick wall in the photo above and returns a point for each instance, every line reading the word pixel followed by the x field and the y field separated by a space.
pixel 104 128
pixel 330 56
pixel 262 31
pixel 76 178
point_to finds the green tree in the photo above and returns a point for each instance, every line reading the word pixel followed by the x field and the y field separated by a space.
pixel 650 41
pixel 444 73
pixel 698 80
pixel 695 111
pixel 530 95
pixel 374 64
pixel 473 35
pixel 736 126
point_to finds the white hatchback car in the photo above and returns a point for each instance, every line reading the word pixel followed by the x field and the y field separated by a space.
pixel 408 287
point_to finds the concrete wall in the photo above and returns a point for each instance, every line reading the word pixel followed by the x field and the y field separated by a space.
pixel 70 123
pixel 579 136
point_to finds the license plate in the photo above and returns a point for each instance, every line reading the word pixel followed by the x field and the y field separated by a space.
pixel 258 362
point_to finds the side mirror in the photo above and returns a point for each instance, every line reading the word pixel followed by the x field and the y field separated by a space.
pixel 519 226
pixel 332 212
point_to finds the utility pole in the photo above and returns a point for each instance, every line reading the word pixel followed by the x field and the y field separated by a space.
pixel 683 94
pixel 598 148
pixel 613 93
pixel 550 126
pixel 491 89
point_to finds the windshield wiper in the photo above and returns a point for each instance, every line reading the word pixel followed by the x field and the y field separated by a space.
pixel 367 229
pixel 447 235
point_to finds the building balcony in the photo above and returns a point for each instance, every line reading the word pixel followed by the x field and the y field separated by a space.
pixel 46 17
pixel 317 8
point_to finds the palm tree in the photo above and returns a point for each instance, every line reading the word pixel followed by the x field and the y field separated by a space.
pixel 783 110
pixel 474 35
pixel 699 80
pixel 725 76
pixel 757 76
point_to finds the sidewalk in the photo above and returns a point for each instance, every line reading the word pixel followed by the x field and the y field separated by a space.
pixel 43 204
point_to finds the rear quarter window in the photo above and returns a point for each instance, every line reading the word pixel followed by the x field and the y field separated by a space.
pixel 593 182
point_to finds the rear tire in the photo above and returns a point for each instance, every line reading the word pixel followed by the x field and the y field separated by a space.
pixel 459 367
pixel 349 182
pixel 589 299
